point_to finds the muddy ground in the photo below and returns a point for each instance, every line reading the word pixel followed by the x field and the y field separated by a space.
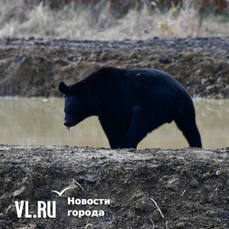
pixel 33 67
pixel 190 186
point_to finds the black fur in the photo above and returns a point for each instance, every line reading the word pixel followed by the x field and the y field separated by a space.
pixel 130 104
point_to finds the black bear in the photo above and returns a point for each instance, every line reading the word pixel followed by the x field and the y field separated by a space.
pixel 130 104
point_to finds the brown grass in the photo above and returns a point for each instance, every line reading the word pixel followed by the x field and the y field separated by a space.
pixel 99 21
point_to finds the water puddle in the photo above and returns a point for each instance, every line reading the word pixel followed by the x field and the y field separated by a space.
pixel 39 121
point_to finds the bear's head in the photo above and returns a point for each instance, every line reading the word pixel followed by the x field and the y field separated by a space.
pixel 76 108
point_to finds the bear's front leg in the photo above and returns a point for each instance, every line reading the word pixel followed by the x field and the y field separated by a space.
pixel 143 122
pixel 114 128
pixel 133 136
pixel 138 129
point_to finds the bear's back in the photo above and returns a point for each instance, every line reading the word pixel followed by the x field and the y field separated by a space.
pixel 147 82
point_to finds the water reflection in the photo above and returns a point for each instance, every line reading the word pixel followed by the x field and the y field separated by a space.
pixel 38 121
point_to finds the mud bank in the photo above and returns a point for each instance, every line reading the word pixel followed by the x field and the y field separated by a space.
pixel 190 187
pixel 33 67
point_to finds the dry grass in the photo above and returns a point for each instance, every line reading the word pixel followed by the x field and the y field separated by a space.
pixel 99 22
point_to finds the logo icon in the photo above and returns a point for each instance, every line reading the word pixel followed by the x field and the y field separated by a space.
pixel 61 193
pixel 74 186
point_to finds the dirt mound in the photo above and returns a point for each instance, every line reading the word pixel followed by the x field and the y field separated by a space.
pixel 33 67
pixel 152 188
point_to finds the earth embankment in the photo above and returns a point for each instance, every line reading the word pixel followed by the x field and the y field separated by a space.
pixel 189 186
pixel 33 67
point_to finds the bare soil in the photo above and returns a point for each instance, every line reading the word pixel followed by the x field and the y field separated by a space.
pixel 190 186
pixel 34 67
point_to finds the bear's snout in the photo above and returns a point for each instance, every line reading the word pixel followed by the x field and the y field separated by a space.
pixel 68 123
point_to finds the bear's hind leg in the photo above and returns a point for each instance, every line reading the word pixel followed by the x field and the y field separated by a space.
pixel 190 131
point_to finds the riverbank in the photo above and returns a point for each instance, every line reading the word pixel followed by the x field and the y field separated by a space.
pixel 189 186
pixel 33 67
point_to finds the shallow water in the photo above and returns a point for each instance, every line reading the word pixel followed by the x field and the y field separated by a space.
pixel 39 121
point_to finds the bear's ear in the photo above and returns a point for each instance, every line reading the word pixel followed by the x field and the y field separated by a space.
pixel 63 88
